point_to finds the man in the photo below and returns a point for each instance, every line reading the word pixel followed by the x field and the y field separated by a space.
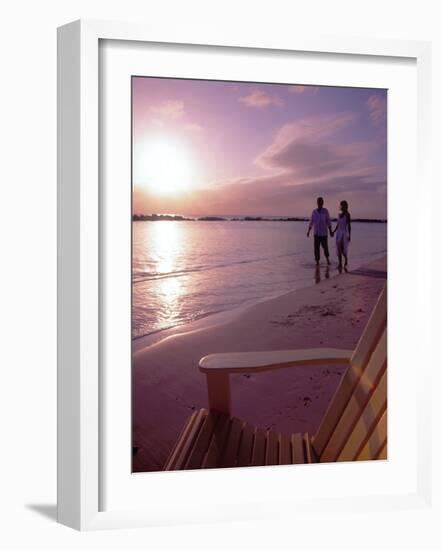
pixel 320 221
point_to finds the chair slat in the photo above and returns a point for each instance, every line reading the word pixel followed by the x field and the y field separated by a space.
pixel 231 449
pixel 272 449
pixel 297 449
pixel 383 453
pixel 308 456
pixel 217 443
pixel 376 441
pixel 372 332
pixel 179 454
pixel 202 442
pixel 258 453
pixel 170 462
pixel 357 401
pixel 284 449
pixel 360 358
pixel 334 410
pixel 367 421
pixel 245 446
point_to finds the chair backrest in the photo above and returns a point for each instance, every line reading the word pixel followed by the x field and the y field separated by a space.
pixel 354 426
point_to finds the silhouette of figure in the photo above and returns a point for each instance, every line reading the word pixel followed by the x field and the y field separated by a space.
pixel 320 222
pixel 343 235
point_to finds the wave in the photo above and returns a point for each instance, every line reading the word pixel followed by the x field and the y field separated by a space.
pixel 154 276
pixel 180 323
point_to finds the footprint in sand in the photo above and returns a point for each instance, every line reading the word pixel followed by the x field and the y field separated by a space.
pixel 283 323
pixel 328 313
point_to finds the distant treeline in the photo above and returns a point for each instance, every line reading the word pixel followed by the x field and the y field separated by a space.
pixel 170 217
pixel 159 217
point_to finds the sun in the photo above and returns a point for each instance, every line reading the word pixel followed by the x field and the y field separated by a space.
pixel 163 166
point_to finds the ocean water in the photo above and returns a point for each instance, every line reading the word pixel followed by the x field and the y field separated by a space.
pixel 183 271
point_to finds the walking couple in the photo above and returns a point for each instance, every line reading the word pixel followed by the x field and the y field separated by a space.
pixel 321 224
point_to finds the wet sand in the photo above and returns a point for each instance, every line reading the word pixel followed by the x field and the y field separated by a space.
pixel 167 385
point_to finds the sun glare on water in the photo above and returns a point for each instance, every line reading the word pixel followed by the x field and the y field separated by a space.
pixel 164 166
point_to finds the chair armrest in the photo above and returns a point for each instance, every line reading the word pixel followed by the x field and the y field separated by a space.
pixel 270 360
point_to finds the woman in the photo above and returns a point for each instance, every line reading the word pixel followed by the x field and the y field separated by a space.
pixel 343 234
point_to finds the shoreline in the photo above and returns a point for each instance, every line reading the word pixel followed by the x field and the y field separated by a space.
pixel 222 317
pixel 167 385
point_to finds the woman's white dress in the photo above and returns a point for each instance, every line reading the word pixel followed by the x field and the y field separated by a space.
pixel 342 235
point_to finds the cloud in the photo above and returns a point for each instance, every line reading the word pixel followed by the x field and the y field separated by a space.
pixel 307 150
pixel 259 99
pixel 306 161
pixel 377 105
pixel 310 157
pixel 314 128
pixel 272 196
pixel 193 127
pixel 301 89
pixel 307 158
pixel 172 112
pixel 170 108
pixel 157 122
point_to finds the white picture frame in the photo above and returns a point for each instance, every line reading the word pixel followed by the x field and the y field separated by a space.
pixel 79 367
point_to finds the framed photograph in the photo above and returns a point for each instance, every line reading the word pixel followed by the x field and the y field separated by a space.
pixel 229 215
pixel 224 278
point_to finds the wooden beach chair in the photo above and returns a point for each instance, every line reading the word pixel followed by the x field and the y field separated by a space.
pixel 354 426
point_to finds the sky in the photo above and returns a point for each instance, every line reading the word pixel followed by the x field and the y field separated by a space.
pixel 232 148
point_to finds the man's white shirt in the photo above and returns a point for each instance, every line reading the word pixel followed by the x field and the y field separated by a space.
pixel 320 221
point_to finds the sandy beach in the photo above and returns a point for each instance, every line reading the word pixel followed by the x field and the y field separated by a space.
pixel 167 385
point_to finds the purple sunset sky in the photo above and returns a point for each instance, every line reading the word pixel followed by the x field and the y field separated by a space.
pixel 264 149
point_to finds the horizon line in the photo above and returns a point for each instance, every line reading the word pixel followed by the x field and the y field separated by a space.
pixel 231 217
